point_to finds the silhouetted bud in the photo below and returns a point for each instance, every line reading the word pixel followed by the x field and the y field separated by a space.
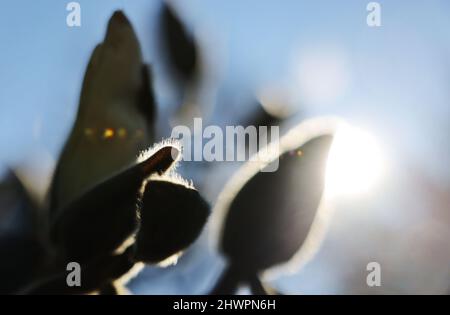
pixel 271 215
pixel 172 217
pixel 102 218
pixel 115 116
pixel 266 216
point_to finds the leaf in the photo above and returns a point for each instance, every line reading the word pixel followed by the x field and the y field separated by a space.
pixel 21 257
pixel 21 251
pixel 181 48
pixel 96 274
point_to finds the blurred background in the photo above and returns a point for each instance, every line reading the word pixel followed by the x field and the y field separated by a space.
pixel 389 187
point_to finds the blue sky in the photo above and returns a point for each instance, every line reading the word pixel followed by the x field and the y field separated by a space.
pixel 399 72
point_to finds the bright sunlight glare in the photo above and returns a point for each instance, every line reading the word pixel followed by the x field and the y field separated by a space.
pixel 355 163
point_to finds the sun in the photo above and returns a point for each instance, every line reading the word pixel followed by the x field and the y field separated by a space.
pixel 355 163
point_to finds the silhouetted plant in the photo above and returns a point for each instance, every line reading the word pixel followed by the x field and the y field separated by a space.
pixel 20 249
pixel 115 119
pixel 181 48
pixel 265 217
pixel 108 210
pixel 114 204
pixel 172 216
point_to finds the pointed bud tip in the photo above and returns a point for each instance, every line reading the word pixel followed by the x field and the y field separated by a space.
pixel 119 17
pixel 117 22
